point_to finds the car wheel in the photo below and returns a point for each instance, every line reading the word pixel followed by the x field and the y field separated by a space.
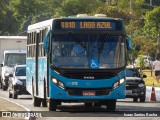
pixel 15 96
pixel 0 85
pixel 4 88
pixel 142 99
pixel 135 99
pixel 10 95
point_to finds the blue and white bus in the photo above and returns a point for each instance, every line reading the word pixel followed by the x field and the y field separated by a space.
pixel 77 59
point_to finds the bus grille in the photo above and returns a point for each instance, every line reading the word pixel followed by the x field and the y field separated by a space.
pixel 79 92
pixel 91 74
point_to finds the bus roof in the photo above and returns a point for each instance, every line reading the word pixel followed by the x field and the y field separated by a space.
pixel 13 37
pixel 48 23
pixel 41 24
pixel 15 51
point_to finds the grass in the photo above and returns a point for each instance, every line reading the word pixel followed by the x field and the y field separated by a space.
pixel 150 78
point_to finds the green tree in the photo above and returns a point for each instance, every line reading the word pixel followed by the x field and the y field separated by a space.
pixel 74 7
pixel 152 25
pixel 144 46
pixel 8 25
pixel 30 11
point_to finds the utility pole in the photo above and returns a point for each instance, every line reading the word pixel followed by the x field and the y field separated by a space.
pixel 150 2
pixel 131 6
pixel 109 2
pixel 131 13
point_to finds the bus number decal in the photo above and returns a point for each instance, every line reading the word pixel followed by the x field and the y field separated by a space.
pixel 72 83
pixel 68 24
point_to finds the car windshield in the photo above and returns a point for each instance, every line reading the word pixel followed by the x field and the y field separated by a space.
pixel 88 51
pixel 20 71
pixel 132 73
pixel 12 59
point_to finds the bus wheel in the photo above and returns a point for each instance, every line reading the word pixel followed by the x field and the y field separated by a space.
pixel 88 104
pixel 36 101
pixel 111 105
pixel 52 105
pixel 97 104
pixel 44 102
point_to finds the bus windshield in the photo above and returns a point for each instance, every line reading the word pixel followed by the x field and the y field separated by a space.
pixel 88 51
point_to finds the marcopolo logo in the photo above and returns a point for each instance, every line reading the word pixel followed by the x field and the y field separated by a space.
pixel 6 114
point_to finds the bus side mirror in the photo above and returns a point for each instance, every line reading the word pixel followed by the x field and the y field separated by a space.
pixel 46 41
pixel 129 44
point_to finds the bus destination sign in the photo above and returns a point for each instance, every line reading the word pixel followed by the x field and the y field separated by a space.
pixel 87 25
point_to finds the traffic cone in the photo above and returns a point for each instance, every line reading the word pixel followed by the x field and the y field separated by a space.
pixel 153 95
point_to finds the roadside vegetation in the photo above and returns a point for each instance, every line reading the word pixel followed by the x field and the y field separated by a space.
pixel 150 78
pixel 141 18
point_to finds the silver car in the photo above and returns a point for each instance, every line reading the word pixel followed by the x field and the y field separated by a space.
pixel 17 82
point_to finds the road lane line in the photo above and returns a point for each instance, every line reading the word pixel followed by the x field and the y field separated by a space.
pixel 26 118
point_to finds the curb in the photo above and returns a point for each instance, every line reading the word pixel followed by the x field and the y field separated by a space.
pixel 150 88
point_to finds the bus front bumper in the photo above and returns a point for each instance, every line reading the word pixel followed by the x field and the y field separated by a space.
pixel 78 94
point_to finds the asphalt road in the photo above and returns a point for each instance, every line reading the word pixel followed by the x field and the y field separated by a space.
pixel 125 108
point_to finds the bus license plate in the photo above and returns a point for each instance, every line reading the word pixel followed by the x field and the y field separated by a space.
pixel 88 93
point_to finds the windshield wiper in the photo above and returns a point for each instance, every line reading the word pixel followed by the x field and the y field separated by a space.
pixel 102 45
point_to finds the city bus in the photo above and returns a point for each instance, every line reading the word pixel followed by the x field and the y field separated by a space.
pixel 77 59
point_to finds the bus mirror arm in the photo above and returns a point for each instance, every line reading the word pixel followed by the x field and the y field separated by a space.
pixel 46 41
pixel 129 43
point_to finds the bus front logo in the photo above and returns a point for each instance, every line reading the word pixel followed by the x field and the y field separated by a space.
pixel 88 77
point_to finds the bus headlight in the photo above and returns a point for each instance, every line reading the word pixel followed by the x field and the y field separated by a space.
pixel 55 81
pixel 118 83
pixel 58 83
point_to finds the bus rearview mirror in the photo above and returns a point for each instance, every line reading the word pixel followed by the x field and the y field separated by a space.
pixel 46 40
pixel 45 43
pixel 129 44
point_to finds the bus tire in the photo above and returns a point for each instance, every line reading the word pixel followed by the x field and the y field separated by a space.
pixel 36 101
pixel 111 105
pixel 88 104
pixel 52 105
pixel 44 102
pixel 97 104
